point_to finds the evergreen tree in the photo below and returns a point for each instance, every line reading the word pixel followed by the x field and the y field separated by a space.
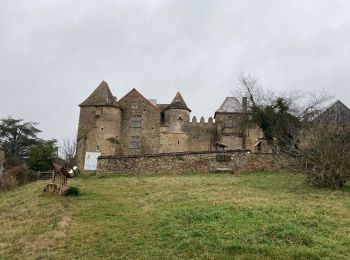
pixel 17 136
pixel 39 157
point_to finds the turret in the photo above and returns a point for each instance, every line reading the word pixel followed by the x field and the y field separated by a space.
pixel 177 114
pixel 231 123
pixel 99 124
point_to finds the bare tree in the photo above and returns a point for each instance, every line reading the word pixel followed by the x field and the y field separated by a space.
pixel 322 151
pixel 249 86
pixel 303 104
pixel 323 154
pixel 314 104
pixel 68 151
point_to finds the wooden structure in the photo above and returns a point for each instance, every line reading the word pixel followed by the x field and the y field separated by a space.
pixel 61 172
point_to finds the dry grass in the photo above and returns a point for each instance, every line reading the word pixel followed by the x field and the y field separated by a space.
pixel 15 176
pixel 8 182
pixel 210 216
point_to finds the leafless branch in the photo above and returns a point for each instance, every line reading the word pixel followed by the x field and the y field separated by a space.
pixel 68 151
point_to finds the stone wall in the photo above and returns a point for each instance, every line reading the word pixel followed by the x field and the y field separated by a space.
pixel 140 124
pixel 192 136
pixel 203 136
pixel 135 125
pixel 173 142
pixel 98 125
pixel 187 162
pixel 177 119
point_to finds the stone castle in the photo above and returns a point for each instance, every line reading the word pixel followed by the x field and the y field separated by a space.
pixel 136 125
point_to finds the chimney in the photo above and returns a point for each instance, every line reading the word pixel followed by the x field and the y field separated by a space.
pixel 244 125
pixel 244 104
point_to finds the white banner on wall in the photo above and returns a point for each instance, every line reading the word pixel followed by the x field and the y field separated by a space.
pixel 91 161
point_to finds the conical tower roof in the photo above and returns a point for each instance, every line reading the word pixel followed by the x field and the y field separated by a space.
pixel 102 96
pixel 178 103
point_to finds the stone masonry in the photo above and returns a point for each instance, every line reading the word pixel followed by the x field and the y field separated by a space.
pixel 187 162
pixel 134 125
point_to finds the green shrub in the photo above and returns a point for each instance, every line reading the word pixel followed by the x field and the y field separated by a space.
pixel 72 191
pixel 40 157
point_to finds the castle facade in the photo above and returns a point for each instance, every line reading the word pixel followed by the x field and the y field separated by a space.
pixel 136 125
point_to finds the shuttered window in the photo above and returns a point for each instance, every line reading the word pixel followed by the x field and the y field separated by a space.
pixel 136 121
pixel 135 142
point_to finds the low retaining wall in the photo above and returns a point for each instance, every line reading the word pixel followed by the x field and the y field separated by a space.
pixel 186 162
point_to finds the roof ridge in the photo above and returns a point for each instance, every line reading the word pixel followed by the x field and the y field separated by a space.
pixel 101 96
pixel 322 115
pixel 178 103
pixel 135 90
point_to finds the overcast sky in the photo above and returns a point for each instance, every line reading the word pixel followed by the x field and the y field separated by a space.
pixel 53 54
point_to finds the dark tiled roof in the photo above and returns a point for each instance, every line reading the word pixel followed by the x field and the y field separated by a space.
pixel 230 105
pixel 162 106
pixel 102 96
pixel 178 103
pixel 336 112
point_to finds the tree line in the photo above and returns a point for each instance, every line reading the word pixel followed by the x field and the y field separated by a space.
pixel 21 142
pixel 320 150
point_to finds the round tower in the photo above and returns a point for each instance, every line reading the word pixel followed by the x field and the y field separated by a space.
pixel 177 114
pixel 99 124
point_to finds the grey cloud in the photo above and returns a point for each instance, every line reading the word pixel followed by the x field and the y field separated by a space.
pixel 53 54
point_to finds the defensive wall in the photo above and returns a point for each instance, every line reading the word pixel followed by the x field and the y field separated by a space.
pixel 187 162
pixel 192 136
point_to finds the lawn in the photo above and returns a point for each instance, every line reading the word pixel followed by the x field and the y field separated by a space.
pixel 208 216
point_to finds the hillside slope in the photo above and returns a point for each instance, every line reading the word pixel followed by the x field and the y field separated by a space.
pixel 254 215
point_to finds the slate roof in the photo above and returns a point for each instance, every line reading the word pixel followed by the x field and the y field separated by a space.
pixel 162 106
pixel 336 112
pixel 230 105
pixel 102 96
pixel 178 103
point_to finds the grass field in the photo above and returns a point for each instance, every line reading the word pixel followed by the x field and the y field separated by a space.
pixel 206 216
